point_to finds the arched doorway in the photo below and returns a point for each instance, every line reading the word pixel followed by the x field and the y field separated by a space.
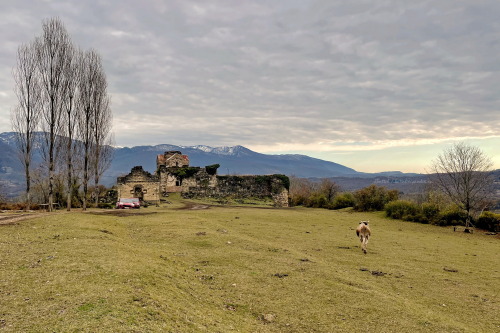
pixel 138 193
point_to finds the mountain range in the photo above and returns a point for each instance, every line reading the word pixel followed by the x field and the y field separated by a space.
pixel 235 160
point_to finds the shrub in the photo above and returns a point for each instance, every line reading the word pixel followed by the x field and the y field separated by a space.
pixel 317 200
pixel 298 200
pixel 285 180
pixel 430 212
pixel 300 190
pixel 17 206
pixel 212 169
pixel 489 221
pixel 373 198
pixel 451 216
pixel 402 209
pixel 343 200
pixel 105 205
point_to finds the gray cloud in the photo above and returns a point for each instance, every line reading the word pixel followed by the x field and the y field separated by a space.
pixel 315 75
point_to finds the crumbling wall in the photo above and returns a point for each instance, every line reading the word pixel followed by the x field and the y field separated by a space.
pixel 181 179
pixel 138 184
pixel 172 158
pixel 268 186
pixel 173 174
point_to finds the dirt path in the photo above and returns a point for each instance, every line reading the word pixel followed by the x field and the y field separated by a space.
pixel 13 218
pixel 193 206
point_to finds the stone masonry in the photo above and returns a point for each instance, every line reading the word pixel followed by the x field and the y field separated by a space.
pixel 173 174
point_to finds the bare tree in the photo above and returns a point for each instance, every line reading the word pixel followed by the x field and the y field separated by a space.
pixel 72 80
pixel 94 117
pixel 463 173
pixel 102 162
pixel 301 190
pixel 53 50
pixel 63 93
pixel 102 124
pixel 25 117
pixel 329 188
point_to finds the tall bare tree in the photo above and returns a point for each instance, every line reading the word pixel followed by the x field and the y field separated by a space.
pixel 72 80
pixel 463 173
pixel 53 51
pixel 63 93
pixel 102 161
pixel 25 117
pixel 94 118
pixel 102 124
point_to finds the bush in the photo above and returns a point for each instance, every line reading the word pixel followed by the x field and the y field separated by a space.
pixel 212 169
pixel 298 200
pixel 430 212
pixel 373 198
pixel 452 216
pixel 105 205
pixel 17 206
pixel 343 200
pixel 489 221
pixel 317 200
pixel 404 210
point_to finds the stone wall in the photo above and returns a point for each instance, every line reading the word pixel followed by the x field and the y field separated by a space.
pixel 138 184
pixel 272 186
pixel 181 179
pixel 173 174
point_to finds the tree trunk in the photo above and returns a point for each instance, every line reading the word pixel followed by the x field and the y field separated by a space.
pixel 69 151
pixel 85 177
pixel 28 186
pixel 69 181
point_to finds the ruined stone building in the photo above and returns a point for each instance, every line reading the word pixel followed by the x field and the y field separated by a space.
pixel 173 174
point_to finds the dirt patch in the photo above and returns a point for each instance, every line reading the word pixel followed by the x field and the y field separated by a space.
pixel 122 213
pixel 12 219
pixel 193 206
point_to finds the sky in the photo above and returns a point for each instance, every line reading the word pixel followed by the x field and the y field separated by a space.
pixel 375 85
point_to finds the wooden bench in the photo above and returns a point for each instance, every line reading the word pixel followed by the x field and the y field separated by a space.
pixel 469 230
pixel 46 206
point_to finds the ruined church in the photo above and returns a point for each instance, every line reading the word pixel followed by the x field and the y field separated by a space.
pixel 174 174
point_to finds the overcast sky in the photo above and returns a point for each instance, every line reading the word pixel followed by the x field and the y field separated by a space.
pixel 375 85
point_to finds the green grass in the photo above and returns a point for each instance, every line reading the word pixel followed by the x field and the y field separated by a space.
pixel 243 269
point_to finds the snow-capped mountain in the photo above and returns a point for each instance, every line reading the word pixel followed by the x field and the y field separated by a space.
pixel 232 160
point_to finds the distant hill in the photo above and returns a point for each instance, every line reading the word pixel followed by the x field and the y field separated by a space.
pixel 236 160
pixel 232 160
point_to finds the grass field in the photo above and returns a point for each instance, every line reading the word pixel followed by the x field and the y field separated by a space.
pixel 243 269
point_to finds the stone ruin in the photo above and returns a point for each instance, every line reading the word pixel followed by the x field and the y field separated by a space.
pixel 173 174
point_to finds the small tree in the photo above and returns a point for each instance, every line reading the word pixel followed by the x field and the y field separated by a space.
pixel 329 189
pixel 463 173
pixel 301 190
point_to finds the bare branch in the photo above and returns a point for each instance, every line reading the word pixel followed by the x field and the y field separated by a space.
pixel 463 172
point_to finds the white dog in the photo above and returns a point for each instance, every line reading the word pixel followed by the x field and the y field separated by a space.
pixel 363 231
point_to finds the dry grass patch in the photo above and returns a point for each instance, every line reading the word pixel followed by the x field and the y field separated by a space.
pixel 244 269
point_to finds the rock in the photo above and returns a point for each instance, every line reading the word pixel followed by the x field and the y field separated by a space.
pixel 268 318
pixel 450 270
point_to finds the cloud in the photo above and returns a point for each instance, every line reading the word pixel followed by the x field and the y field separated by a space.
pixel 320 75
